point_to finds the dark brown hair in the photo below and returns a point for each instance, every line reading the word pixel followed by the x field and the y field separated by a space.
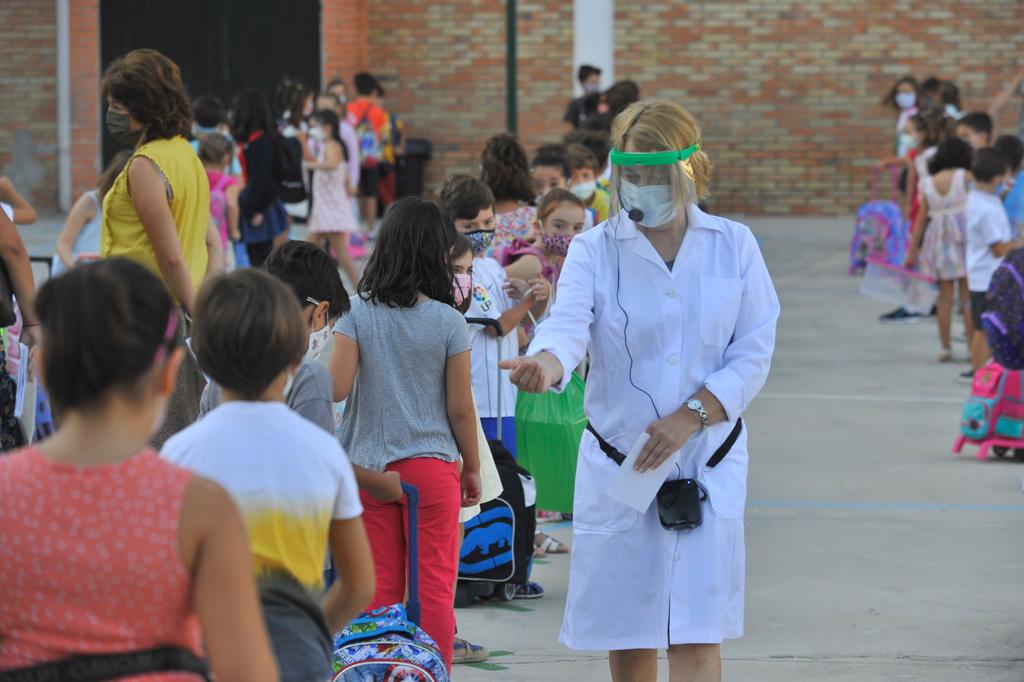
pixel 102 325
pixel 933 124
pixel 506 170
pixel 149 85
pixel 410 257
pixel 579 157
pixel 988 164
pixel 111 172
pixel 248 329
pixel 462 197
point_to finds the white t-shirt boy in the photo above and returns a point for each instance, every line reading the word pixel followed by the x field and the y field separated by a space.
pixel 489 300
pixel 288 476
pixel 987 225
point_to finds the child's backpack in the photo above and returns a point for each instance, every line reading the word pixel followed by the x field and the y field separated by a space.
pixel 497 552
pixel 879 231
pixel 1003 319
pixel 287 169
pixel 219 206
pixel 370 152
pixel 996 407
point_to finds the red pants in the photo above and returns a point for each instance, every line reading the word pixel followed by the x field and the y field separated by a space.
pixel 387 527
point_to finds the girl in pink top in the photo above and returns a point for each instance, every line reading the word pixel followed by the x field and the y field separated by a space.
pixel 104 547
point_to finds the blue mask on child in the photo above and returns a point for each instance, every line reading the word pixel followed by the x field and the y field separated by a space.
pixel 481 240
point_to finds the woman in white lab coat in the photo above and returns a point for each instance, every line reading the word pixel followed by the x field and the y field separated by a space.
pixel 678 312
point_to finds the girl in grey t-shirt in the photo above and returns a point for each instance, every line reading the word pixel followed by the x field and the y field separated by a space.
pixel 401 359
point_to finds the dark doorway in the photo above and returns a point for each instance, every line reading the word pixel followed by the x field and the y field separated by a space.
pixel 221 46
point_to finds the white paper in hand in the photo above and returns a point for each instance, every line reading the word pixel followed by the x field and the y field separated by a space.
pixel 634 489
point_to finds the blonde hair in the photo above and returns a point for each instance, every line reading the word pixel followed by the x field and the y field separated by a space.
pixel 658 125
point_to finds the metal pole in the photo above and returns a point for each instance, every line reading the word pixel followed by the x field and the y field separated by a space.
pixel 510 66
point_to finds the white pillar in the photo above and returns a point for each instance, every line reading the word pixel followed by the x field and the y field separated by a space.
pixel 63 107
pixel 594 39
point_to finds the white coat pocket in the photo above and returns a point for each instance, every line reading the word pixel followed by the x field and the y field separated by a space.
pixel 719 307
pixel 593 511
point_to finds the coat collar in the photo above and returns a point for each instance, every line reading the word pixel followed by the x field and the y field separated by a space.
pixel 621 227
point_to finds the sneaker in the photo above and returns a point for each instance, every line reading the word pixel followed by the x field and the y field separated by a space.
pixel 966 377
pixel 900 316
pixel 466 652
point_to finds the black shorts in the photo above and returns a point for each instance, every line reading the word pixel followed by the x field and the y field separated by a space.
pixel 369 179
pixel 978 307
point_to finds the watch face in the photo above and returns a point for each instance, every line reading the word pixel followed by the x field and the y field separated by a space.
pixel 694 405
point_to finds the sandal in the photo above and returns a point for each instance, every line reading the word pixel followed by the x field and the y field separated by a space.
pixel 548 545
pixel 529 591
pixel 465 652
pixel 946 355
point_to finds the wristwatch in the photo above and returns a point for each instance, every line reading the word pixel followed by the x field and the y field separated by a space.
pixel 698 407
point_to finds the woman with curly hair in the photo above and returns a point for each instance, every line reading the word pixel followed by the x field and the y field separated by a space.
pixel 157 212
pixel 505 169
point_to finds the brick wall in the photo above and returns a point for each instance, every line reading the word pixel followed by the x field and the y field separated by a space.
pixel 443 67
pixel 343 42
pixel 84 55
pixel 28 98
pixel 788 92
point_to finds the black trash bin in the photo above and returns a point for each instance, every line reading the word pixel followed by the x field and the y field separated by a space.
pixel 412 167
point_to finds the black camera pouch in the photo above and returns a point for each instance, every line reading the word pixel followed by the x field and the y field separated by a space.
pixel 679 504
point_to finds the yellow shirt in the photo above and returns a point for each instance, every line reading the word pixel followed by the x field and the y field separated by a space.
pixel 122 233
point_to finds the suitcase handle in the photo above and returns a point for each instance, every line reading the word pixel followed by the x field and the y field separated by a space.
pixel 412 608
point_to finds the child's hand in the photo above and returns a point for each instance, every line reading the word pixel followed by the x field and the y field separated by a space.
pixel 911 261
pixel 236 235
pixel 540 289
pixel 257 219
pixel 472 488
pixel 390 489
pixel 516 288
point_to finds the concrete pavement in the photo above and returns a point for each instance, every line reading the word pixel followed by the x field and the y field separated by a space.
pixel 872 552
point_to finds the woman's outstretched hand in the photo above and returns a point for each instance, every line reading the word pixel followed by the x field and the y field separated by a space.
pixel 535 373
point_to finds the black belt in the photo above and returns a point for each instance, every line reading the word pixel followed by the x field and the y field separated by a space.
pixel 95 667
pixel 719 455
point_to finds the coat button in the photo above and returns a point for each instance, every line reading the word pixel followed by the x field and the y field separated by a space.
pixel 672 293
pixel 674 360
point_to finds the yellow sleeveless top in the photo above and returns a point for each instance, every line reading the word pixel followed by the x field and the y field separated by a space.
pixel 122 233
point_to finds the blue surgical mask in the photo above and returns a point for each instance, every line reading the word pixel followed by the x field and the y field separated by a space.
pixel 905 100
pixel 584 190
pixel 655 201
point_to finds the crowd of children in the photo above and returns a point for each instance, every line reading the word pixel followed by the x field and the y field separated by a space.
pixel 267 482
pixel 954 173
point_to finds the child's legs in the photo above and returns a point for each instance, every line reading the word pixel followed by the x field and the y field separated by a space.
pixel 980 351
pixel 945 312
pixel 339 242
pixel 438 483
pixel 385 527
pixel 965 305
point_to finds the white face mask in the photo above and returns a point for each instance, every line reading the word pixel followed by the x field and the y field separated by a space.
pixel 905 100
pixel 288 383
pixel 317 343
pixel 654 201
pixel 585 190
pixel 317 134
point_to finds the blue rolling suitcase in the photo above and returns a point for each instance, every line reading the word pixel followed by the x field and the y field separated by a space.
pixel 387 644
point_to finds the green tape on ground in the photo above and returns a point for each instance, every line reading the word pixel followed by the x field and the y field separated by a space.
pixel 486 666
pixel 495 654
pixel 541 561
pixel 509 607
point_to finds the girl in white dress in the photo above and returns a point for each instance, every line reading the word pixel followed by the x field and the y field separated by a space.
pixel 332 218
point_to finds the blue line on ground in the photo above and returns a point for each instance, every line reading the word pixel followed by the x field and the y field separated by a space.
pixel 885 506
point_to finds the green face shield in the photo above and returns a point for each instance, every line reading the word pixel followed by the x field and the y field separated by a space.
pixel 654 168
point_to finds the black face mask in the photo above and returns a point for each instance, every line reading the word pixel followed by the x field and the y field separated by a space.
pixel 117 124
